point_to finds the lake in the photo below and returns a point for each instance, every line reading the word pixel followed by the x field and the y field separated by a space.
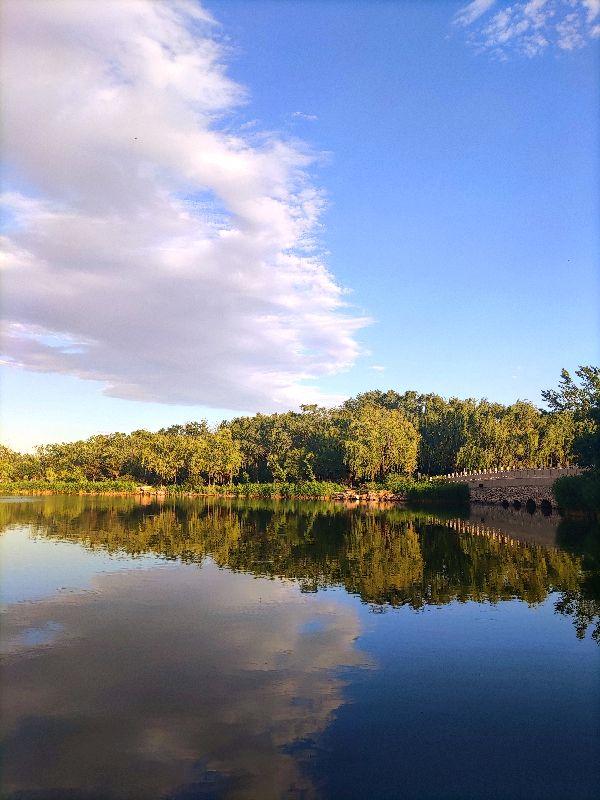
pixel 229 649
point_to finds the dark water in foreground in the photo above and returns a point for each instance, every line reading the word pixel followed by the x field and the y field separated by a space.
pixel 248 650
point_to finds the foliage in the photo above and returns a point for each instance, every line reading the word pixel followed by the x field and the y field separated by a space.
pixel 436 493
pixel 578 492
pixel 577 399
pixel 586 445
pixel 302 489
pixel 399 484
pixel 75 486
pixel 376 436
pixel 8 463
pixel 582 402
pixel 380 441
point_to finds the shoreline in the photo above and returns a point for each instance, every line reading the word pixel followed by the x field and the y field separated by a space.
pixel 350 497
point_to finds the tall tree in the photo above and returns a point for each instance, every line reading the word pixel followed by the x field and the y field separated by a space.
pixel 380 441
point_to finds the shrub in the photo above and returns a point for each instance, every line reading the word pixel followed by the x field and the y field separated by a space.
pixel 399 484
pixel 578 492
pixel 436 493
pixel 303 489
pixel 76 486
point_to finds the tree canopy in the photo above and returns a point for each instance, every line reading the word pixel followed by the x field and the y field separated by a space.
pixel 368 438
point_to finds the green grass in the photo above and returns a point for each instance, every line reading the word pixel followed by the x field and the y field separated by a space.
pixel 430 493
pixel 417 493
pixel 80 486
pixel 304 489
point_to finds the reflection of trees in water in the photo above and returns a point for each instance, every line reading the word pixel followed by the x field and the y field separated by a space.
pixel 585 612
pixel 582 539
pixel 392 556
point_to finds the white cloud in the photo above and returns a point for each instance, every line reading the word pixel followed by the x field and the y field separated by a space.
pixel 593 9
pixel 302 115
pixel 531 26
pixel 149 247
pixel 472 11
pixel 569 33
pixel 377 368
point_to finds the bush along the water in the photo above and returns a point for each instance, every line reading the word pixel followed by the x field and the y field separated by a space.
pixel 76 486
pixel 399 484
pixel 580 493
pixel 429 493
pixel 436 493
pixel 302 490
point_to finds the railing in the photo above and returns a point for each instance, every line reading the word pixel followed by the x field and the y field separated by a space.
pixel 507 472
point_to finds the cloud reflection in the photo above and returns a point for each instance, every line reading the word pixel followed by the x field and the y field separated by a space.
pixel 174 685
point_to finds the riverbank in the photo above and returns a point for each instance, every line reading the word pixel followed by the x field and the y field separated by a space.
pixel 116 488
pixel 399 491
pixel 402 491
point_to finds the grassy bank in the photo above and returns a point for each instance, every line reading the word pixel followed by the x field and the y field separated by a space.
pixel 305 490
pixel 119 486
pixel 439 495
pixel 433 494
pixel 402 489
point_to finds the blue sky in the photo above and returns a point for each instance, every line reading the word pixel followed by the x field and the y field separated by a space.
pixel 460 181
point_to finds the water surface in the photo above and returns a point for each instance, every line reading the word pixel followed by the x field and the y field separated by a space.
pixel 255 650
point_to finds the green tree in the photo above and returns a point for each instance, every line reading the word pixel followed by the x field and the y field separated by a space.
pixel 225 456
pixel 380 441
pixel 9 463
pixel 582 401
pixel 159 457
pixel 580 398
pixel 556 439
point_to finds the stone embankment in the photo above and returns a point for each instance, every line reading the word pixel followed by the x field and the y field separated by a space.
pixel 381 496
pixel 513 486
pixel 521 495
pixel 154 491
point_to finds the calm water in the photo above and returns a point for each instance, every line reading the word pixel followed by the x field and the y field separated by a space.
pixel 248 650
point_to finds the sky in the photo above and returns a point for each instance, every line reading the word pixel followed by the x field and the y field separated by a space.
pixel 229 207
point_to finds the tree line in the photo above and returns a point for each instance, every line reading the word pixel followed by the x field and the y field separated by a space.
pixel 370 437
